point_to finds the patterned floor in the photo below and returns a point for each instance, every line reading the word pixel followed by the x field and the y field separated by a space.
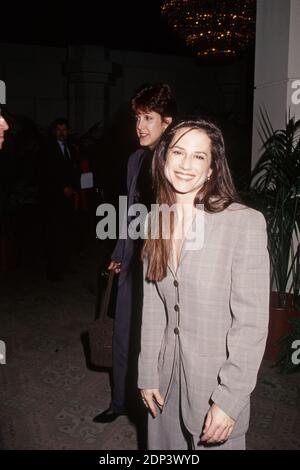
pixel 48 395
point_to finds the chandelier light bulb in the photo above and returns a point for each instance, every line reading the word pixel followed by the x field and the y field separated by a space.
pixel 215 28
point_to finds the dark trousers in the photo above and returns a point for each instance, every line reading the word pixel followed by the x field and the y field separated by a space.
pixel 60 237
pixel 126 339
pixel 121 340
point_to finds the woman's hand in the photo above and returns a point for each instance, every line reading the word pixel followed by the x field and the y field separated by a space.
pixel 114 266
pixel 68 191
pixel 152 398
pixel 218 426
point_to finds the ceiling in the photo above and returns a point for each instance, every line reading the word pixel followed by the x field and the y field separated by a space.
pixel 131 24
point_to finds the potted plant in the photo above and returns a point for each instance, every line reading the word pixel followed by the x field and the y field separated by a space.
pixel 275 191
pixel 288 357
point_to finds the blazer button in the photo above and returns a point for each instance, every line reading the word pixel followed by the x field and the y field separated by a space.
pixel 176 330
pixel 176 283
pixel 176 308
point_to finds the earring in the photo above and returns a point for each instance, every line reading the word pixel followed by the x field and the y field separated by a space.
pixel 208 178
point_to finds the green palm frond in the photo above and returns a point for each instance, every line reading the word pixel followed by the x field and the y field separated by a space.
pixel 275 189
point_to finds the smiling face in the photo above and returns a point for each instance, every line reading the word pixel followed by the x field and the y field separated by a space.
pixel 3 128
pixel 188 163
pixel 149 127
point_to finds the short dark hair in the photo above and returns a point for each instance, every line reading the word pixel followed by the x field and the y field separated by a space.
pixel 3 111
pixel 61 121
pixel 158 97
pixel 9 118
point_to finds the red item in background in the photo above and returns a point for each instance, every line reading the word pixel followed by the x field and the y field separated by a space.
pixel 85 166
pixel 81 199
pixel 278 324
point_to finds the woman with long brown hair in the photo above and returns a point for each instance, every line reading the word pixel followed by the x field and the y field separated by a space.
pixel 206 294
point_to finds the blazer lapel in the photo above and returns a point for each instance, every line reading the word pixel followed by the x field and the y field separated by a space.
pixel 197 235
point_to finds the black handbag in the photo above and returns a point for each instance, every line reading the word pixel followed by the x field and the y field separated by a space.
pixel 100 331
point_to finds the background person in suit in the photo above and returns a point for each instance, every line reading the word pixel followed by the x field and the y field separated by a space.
pixel 205 311
pixel 61 181
pixel 154 107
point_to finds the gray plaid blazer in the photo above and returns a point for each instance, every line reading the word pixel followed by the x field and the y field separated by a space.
pixel 211 318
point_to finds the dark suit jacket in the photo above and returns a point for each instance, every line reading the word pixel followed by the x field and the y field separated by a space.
pixel 59 173
pixel 124 249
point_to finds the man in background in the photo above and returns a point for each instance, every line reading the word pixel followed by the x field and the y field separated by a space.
pixel 61 181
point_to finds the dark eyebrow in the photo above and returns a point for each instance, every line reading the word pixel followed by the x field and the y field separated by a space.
pixel 177 146
pixel 143 114
pixel 201 151
pixel 181 148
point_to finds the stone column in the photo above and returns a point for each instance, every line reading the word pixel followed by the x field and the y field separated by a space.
pixel 89 75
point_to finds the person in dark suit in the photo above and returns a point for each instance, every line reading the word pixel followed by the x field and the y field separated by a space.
pixel 61 182
pixel 154 107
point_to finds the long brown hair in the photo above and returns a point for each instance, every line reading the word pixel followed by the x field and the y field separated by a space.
pixel 216 194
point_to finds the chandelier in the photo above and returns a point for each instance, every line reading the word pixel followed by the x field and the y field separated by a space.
pixel 218 28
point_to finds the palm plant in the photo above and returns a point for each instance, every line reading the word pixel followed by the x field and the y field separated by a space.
pixel 275 190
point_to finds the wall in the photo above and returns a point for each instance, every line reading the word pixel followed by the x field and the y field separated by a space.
pixel 44 82
pixel 277 64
